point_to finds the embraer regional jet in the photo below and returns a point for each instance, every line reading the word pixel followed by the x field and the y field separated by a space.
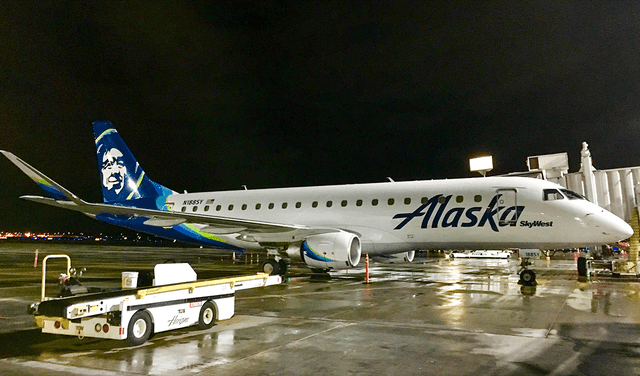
pixel 329 227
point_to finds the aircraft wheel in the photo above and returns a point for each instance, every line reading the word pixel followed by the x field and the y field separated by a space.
pixel 207 316
pixel 582 266
pixel 271 266
pixel 283 267
pixel 527 277
pixel 139 329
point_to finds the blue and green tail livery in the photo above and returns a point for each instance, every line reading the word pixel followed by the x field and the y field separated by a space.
pixel 122 178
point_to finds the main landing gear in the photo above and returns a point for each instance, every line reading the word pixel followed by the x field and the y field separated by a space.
pixel 274 266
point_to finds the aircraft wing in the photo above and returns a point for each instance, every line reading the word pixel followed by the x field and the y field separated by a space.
pixel 248 230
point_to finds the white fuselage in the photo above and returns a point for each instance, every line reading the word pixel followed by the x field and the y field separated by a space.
pixel 437 214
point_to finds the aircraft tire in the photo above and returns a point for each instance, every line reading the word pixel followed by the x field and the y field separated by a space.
pixel 207 317
pixel 139 328
pixel 270 266
pixel 283 267
pixel 582 266
pixel 527 277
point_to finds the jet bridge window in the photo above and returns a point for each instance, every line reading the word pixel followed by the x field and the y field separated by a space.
pixel 552 194
pixel 571 195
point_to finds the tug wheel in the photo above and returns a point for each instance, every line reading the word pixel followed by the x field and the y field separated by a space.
pixel 207 316
pixel 139 329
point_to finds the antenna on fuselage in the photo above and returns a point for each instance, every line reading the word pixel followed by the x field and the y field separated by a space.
pixel 481 165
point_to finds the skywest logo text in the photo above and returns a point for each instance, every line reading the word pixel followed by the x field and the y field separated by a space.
pixel 454 217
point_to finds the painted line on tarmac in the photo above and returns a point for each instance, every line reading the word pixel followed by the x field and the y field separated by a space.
pixel 61 368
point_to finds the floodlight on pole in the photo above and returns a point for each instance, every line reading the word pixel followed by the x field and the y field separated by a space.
pixel 481 164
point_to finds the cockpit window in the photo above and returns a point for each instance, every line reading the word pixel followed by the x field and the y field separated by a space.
pixel 571 195
pixel 552 194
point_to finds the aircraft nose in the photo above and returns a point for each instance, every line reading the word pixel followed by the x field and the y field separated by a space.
pixel 611 226
pixel 625 230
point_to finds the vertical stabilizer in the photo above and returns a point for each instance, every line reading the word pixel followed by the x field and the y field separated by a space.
pixel 121 176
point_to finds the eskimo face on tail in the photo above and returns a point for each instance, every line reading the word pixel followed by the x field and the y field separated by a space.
pixel 113 170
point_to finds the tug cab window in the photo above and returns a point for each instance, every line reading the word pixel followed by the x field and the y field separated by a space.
pixel 571 195
pixel 552 194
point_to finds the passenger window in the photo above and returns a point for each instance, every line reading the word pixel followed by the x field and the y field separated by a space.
pixel 552 194
pixel 374 202
pixel 195 208
pixel 184 209
pixel 206 208
pixel 359 203
pixel 271 205
pixel 314 204
pixel 298 205
pixel 391 201
pixel 407 201
pixel 442 199
pixel 329 204
pixel 477 198
pixel 231 207
pixel 284 205
pixel 344 203
pixel 244 206
pixel 258 206
pixel 571 195
pixel 424 200
pixel 459 199
pixel 219 207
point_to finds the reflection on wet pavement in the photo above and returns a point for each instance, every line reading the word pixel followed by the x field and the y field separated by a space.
pixel 434 316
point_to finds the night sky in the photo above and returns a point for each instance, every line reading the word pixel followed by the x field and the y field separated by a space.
pixel 214 95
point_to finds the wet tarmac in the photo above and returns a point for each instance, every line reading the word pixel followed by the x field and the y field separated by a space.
pixel 433 316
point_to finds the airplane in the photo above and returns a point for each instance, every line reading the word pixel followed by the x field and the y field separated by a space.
pixel 330 227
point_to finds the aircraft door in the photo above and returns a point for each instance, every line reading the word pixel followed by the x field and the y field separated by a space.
pixel 508 211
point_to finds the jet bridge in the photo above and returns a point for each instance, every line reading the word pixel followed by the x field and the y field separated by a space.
pixel 616 190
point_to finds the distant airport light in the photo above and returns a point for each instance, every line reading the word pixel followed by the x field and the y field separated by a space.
pixel 481 165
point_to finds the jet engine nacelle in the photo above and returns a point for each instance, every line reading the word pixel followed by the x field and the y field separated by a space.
pixel 336 250
pixel 395 258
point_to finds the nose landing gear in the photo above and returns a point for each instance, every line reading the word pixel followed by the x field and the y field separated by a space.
pixel 527 276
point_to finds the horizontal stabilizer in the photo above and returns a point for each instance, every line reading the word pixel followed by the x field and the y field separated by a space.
pixel 52 188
